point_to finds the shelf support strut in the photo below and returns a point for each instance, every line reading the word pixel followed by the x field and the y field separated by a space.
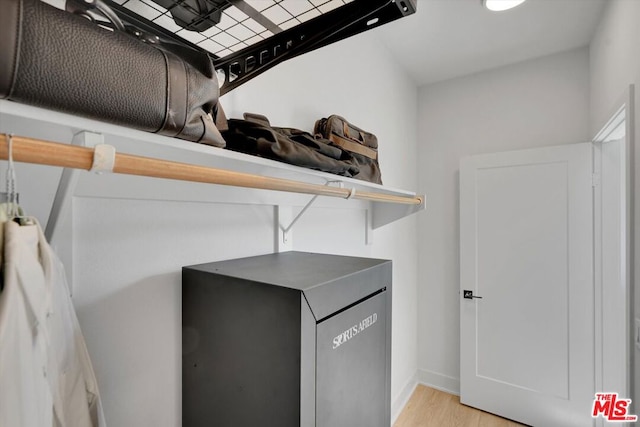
pixel 285 231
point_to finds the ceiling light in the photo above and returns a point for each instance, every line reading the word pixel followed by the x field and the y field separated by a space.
pixel 500 5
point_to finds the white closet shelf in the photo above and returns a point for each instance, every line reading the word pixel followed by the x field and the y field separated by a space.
pixel 37 123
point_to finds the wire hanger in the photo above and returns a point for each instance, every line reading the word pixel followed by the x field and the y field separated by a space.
pixel 11 193
pixel 13 209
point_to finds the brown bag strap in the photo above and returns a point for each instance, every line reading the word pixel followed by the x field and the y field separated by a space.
pixel 176 112
pixel 257 118
pixel 353 147
pixel 347 132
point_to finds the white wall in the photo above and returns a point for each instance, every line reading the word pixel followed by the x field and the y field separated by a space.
pixel 128 257
pixel 615 64
pixel 128 254
pixel 534 103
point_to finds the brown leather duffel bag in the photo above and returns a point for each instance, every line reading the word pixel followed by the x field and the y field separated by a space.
pixel 360 144
pixel 58 60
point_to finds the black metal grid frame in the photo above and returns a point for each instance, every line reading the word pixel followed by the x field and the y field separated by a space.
pixel 236 68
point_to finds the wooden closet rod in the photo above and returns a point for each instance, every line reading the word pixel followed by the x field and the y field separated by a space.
pixel 29 150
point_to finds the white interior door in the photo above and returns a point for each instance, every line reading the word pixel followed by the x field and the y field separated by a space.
pixel 526 248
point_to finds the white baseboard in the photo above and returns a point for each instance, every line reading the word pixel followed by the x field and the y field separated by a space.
pixel 430 379
pixel 439 381
pixel 401 400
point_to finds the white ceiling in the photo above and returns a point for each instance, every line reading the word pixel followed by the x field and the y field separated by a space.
pixel 451 38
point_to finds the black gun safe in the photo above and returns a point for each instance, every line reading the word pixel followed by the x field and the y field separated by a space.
pixel 288 339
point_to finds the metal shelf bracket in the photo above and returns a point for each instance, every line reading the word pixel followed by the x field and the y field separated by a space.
pixel 285 232
pixel 59 226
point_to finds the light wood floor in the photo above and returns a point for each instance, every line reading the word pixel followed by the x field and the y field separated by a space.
pixel 432 408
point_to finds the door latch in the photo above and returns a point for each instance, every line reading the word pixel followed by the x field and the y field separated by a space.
pixel 469 295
